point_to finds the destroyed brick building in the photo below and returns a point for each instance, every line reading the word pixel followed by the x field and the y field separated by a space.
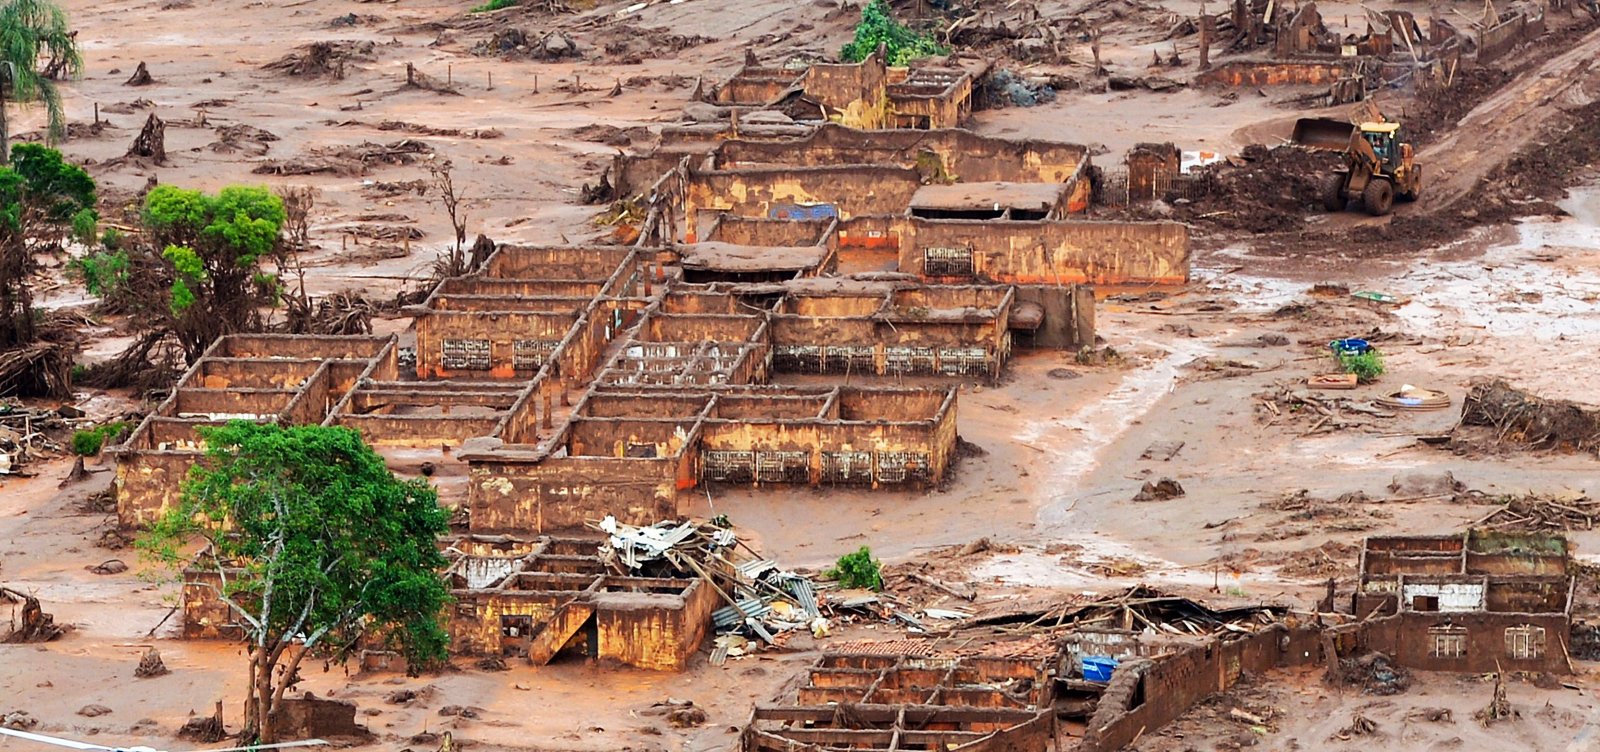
pixel 869 94
pixel 1477 602
pixel 1292 45
pixel 532 599
pixel 295 380
pixel 972 704
pixel 943 205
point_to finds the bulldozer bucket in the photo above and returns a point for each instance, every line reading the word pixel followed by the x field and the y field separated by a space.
pixel 1322 133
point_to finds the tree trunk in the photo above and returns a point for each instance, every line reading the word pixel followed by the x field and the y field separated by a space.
pixel 252 719
pixel 5 135
pixel 265 728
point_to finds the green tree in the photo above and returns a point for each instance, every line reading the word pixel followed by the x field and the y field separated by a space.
pixel 42 199
pixel 900 43
pixel 316 543
pixel 212 248
pixel 858 570
pixel 30 30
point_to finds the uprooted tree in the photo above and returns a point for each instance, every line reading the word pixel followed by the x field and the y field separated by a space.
pixel 316 546
pixel 44 202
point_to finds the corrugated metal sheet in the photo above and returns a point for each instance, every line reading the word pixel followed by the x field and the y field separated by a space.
pixel 728 616
pixel 802 590
pixel 754 568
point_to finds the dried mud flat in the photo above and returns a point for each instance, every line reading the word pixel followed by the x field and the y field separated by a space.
pixel 1066 446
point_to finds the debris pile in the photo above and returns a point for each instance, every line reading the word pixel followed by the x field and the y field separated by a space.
pixel 1263 190
pixel 1375 674
pixel 1516 418
pixel 762 600
pixel 322 58
pixel 241 137
pixel 1144 609
pixel 1360 725
pixel 419 129
pixel 349 161
pixel 1331 559
pixel 1498 709
pixel 23 438
pixel 1291 403
pixel 1004 88
pixel 1159 490
pixel 514 42
pixel 1309 515
pixel 1534 513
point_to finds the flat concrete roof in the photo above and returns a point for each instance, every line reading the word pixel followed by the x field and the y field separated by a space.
pixel 1031 196
pixel 729 257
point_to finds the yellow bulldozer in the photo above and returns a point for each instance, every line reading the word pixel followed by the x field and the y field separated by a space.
pixel 1379 167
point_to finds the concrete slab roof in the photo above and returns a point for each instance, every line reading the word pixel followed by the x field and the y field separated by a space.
pixel 1030 196
pixel 730 257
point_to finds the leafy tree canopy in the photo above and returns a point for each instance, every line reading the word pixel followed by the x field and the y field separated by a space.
pixel 39 182
pixel 332 546
pixel 44 200
pixel 878 27
pixel 237 226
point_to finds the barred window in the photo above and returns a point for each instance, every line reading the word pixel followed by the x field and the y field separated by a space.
pixel 1448 641
pixel 465 354
pixel 947 262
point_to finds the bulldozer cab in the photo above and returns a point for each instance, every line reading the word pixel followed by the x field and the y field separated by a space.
pixel 1385 141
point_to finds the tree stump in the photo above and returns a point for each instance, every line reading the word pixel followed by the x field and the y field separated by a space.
pixel 141 76
pixel 152 141
pixel 151 665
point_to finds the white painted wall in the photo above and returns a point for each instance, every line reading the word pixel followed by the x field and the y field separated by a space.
pixel 1455 596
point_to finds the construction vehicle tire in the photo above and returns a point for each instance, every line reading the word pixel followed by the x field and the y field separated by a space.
pixel 1416 187
pixel 1378 198
pixel 1333 198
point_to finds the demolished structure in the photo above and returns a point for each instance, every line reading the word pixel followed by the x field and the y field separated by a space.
pixel 1477 602
pixel 869 94
pixel 534 599
pixel 1293 46
pixel 943 206
pixel 893 702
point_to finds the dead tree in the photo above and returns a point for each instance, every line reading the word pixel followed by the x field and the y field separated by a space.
pixel 152 141
pixel 297 203
pixel 1094 47
pixel 1205 38
pixel 1498 708
pixel 453 263
pixel 35 625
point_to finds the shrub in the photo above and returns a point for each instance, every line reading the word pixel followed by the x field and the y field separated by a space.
pixel 89 441
pixel 102 274
pixel 858 570
pixel 1367 366
pixel 900 43
pixel 494 5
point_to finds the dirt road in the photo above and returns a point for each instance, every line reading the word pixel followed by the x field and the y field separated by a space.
pixel 1495 130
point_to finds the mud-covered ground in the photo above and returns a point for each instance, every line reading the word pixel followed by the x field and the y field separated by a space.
pixel 1065 445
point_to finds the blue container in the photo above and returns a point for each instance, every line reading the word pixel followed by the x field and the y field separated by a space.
pixel 1349 346
pixel 1098 668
